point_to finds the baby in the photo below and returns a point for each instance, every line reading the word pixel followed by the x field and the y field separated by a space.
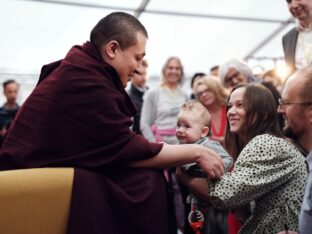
pixel 193 127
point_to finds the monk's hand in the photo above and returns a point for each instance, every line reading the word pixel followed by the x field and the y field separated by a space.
pixel 211 163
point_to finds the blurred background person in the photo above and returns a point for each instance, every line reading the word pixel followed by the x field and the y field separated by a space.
pixel 137 89
pixel 9 108
pixel 215 70
pixel 274 78
pixel 160 109
pixel 212 95
pixel 196 76
pixel 161 104
pixel 297 43
pixel 234 72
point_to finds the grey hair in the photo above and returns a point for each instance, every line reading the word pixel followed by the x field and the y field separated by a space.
pixel 240 65
pixel 162 80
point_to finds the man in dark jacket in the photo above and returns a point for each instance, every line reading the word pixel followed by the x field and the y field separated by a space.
pixel 136 92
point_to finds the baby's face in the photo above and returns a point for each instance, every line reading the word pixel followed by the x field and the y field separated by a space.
pixel 190 128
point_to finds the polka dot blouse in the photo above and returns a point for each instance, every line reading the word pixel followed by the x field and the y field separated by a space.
pixel 270 172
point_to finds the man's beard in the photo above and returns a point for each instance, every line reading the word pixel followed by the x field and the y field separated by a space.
pixel 293 135
pixel 289 133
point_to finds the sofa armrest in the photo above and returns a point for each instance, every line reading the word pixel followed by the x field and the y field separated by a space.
pixel 35 201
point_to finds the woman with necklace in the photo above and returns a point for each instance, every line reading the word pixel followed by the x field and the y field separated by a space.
pixel 161 104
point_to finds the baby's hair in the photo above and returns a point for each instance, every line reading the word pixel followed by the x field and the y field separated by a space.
pixel 199 109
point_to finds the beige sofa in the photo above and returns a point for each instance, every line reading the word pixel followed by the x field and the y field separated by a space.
pixel 35 201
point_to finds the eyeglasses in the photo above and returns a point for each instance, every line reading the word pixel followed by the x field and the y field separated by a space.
pixel 231 78
pixel 202 93
pixel 283 103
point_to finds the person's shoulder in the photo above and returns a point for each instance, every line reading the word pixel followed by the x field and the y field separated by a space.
pixel 292 31
pixel 264 140
pixel 152 91
pixel 206 140
pixel 266 137
pixel 269 142
pixel 210 144
pixel 151 94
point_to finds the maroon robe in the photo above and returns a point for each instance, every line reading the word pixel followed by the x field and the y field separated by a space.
pixel 79 116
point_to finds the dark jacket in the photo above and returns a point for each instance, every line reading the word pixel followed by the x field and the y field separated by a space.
pixel 289 46
pixel 136 96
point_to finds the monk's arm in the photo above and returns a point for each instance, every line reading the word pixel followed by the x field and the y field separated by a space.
pixel 177 155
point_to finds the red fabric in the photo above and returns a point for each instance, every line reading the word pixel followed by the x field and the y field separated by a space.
pixel 79 116
pixel 222 129
pixel 234 224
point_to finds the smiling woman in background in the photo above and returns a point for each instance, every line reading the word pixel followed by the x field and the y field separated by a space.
pixel 162 104
pixel 160 109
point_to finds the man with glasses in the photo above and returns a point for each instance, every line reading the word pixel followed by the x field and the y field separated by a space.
pixel 234 72
pixel 296 106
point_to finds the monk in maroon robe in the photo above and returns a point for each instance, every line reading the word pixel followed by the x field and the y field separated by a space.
pixel 79 116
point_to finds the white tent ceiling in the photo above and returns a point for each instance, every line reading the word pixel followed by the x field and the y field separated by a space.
pixel 202 32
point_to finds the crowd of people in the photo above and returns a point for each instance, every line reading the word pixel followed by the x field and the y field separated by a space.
pixel 230 158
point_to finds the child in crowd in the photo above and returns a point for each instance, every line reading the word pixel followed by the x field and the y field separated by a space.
pixel 193 127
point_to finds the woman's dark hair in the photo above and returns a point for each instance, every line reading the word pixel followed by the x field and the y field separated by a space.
pixel 261 117
pixel 276 96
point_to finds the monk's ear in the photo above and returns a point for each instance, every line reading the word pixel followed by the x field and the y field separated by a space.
pixel 111 48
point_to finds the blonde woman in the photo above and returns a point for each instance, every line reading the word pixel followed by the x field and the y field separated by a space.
pixel 212 95
pixel 161 104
